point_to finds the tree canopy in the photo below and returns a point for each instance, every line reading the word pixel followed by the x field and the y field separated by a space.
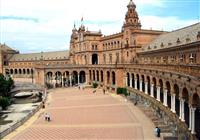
pixel 6 83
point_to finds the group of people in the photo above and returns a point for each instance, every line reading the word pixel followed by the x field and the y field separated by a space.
pixel 47 117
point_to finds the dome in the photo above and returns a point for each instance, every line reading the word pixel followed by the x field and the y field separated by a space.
pixel 131 4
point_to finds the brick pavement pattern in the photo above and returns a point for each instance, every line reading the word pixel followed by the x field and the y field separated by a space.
pixel 83 115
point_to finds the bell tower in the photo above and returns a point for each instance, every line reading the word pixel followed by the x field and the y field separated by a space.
pixel 131 18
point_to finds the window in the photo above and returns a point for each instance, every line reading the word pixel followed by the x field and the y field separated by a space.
pixel 182 58
pixel 117 57
pixel 192 57
pixel 104 58
pixel 110 58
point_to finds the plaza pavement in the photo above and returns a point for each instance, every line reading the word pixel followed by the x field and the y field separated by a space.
pixel 81 114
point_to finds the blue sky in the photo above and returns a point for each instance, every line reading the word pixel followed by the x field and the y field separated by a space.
pixel 45 25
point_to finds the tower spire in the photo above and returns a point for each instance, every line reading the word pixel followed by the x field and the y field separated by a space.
pixel 131 18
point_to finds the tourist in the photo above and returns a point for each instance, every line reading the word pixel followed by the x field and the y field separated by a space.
pixel 156 131
pixel 43 105
pixel 104 91
pixel 46 116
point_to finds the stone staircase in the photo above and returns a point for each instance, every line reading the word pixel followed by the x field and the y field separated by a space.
pixel 166 133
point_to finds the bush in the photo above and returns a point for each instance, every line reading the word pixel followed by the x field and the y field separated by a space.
pixel 4 102
pixel 6 84
pixel 119 90
pixel 122 91
pixel 95 85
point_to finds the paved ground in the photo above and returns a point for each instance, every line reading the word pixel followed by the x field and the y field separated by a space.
pixel 80 114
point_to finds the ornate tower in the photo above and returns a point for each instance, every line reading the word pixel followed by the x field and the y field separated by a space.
pixel 131 18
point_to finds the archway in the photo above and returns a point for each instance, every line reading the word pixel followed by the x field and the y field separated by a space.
pixel 58 79
pixel 138 81
pixel 97 75
pixel 154 88
pixel 185 96
pixel 24 71
pixel 101 76
pixel 161 90
pixel 143 83
pixel 7 71
pixel 11 71
pixel 82 77
pixel 113 78
pixel 133 80
pixel 49 78
pixel 28 71
pixel 20 71
pixel 128 80
pixel 168 87
pixel 196 104
pixel 94 77
pixel 177 101
pixel 16 72
pixel 95 59
pixel 74 78
pixel 90 75
pixel 66 78
pixel 148 85
pixel 108 77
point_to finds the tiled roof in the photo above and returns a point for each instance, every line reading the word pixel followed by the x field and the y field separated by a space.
pixel 43 55
pixel 178 37
pixel 4 47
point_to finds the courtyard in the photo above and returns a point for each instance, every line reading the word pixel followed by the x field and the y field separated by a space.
pixel 81 114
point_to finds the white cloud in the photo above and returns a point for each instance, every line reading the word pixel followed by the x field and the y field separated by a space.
pixel 56 19
pixel 165 23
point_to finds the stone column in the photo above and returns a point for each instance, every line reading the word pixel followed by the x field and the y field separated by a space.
pixel 183 111
pixel 62 81
pixel 193 120
pixel 158 93
pixel 146 87
pixel 78 79
pixel 126 81
pixel 135 83
pixel 86 79
pixel 165 98
pixel 53 81
pixel 190 117
pixel 152 90
pixel 180 116
pixel 70 80
pixel 173 106
pixel 131 82
pixel 140 85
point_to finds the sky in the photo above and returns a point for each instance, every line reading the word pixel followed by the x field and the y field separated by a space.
pixel 46 25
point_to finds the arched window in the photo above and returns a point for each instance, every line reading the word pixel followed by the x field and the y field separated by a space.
pixel 94 59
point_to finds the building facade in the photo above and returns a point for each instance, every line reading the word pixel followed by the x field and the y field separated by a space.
pixel 160 69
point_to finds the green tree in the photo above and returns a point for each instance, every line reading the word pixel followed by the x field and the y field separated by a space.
pixel 5 85
pixel 4 102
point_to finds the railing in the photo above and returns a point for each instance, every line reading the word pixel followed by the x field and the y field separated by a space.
pixel 23 120
pixel 173 117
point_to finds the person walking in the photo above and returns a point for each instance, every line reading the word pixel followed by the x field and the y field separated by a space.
pixel 156 131
pixel 104 91
pixel 46 116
